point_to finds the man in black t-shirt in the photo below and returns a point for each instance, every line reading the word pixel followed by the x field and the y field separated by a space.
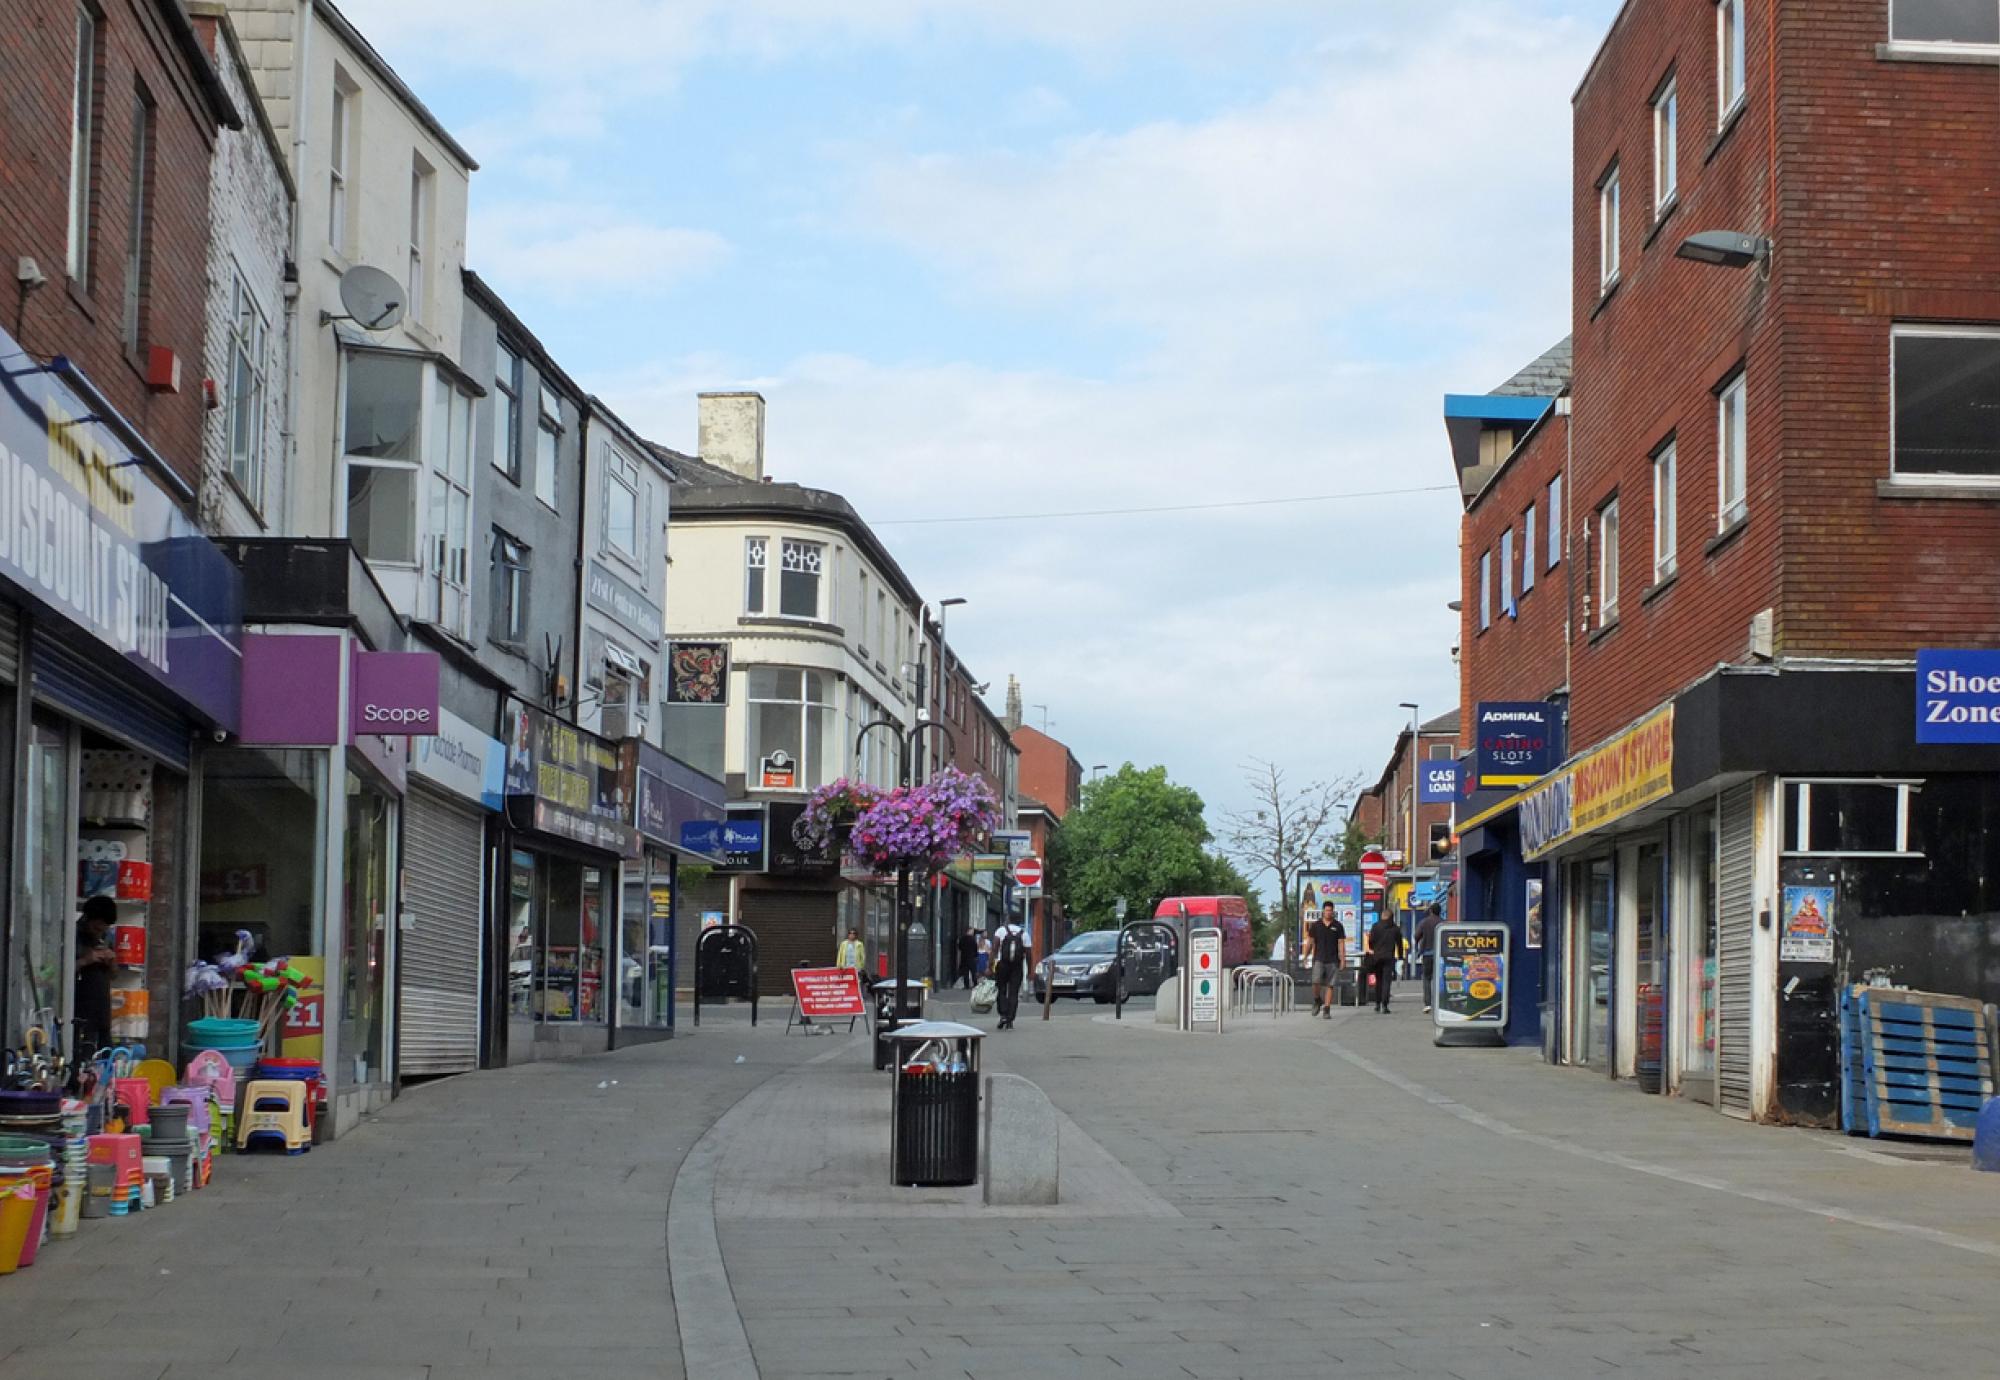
pixel 1385 946
pixel 1324 939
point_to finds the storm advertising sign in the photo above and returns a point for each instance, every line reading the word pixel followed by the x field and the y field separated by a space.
pixel 1471 976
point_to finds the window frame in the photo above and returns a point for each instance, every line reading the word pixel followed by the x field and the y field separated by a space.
pixel 1528 549
pixel 1732 450
pixel 414 467
pixel 139 225
pixel 1796 842
pixel 1485 589
pixel 1607 562
pixel 83 137
pixel 812 765
pixel 1507 607
pixel 423 191
pixel 1666 147
pixel 1732 57
pixel 448 576
pixel 1936 45
pixel 340 149
pixel 816 552
pixel 756 574
pixel 548 423
pixel 1555 500
pixel 1608 241
pixel 506 456
pixel 621 473
pixel 1666 511
pixel 249 357
pixel 1923 330
pixel 513 572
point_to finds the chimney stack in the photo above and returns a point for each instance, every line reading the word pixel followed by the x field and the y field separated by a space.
pixel 1013 716
pixel 732 433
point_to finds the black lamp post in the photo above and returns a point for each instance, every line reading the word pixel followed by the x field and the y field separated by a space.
pixel 907 741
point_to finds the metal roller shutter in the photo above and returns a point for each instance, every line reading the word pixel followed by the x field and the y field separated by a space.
pixel 1738 930
pixel 792 927
pixel 444 857
pixel 113 704
pixel 10 644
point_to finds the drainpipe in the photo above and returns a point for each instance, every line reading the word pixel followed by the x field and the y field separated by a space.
pixel 294 331
pixel 1564 410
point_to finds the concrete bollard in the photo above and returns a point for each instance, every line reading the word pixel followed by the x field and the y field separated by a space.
pixel 1167 1003
pixel 1019 1154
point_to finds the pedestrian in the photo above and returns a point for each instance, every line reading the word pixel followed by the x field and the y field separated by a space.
pixel 985 953
pixel 1325 938
pixel 96 961
pixel 1385 946
pixel 1010 966
pixel 851 953
pixel 968 958
pixel 1426 942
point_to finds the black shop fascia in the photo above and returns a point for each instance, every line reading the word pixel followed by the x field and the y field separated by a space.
pixel 564 786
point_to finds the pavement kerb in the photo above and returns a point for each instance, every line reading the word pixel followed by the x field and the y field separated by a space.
pixel 713 1342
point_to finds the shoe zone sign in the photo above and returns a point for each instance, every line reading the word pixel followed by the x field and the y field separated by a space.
pixel 1958 696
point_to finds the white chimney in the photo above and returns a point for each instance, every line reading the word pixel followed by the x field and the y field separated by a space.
pixel 732 433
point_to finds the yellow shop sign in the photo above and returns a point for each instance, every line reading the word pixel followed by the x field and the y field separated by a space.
pixel 1632 770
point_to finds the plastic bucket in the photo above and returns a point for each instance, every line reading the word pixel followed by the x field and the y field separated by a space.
pixel 223 1032
pixel 43 1179
pixel 242 1058
pixel 17 1210
pixel 170 1121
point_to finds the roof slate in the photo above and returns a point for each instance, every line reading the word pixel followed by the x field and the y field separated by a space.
pixel 1546 377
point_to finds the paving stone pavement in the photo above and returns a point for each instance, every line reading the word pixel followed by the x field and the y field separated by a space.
pixel 1322 1197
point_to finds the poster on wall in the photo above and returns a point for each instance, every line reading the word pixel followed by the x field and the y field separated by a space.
pixel 1534 913
pixel 1341 890
pixel 1807 936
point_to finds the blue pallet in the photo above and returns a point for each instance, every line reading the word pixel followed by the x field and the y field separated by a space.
pixel 1912 1064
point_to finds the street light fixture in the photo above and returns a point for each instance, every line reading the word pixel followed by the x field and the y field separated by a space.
pixel 1101 766
pixel 1416 775
pixel 1725 249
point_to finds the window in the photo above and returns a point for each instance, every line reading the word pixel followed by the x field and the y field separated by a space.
pixel 1441 752
pixel 1528 549
pixel 790 712
pixel 1944 21
pixel 507 413
pixel 249 335
pixel 138 234
pixel 1848 816
pixel 340 142
pixel 799 579
pixel 756 552
pixel 1440 839
pixel 417 285
pixel 861 619
pixel 1507 572
pixel 623 501
pixel 450 456
pixel 82 139
pixel 1732 442
pixel 548 430
pixel 510 589
pixel 1555 521
pixel 1607 230
pixel 1666 134
pixel 1728 59
pixel 1945 381
pixel 1607 564
pixel 383 447
pixel 1666 514
pixel 881 637
pixel 1485 590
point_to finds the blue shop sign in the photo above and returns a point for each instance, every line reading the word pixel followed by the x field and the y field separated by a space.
pixel 735 844
pixel 668 795
pixel 1437 783
pixel 1958 696
pixel 88 537
pixel 1516 742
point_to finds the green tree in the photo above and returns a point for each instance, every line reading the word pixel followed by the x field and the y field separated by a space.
pixel 1134 834
pixel 1226 879
pixel 1353 840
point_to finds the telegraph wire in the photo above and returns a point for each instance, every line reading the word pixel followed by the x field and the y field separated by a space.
pixel 1163 508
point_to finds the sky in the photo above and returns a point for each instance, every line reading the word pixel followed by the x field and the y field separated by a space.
pixel 1025 257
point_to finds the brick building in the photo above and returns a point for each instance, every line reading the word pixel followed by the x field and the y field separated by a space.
pixel 1051 786
pixel 1383 811
pixel 1780 485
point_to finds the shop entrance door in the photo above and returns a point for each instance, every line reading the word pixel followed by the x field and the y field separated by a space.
pixel 1649 967
pixel 1594 901
pixel 1696 952
pixel 45 981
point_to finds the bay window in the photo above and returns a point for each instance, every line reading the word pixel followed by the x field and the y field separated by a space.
pixel 383 446
pixel 450 575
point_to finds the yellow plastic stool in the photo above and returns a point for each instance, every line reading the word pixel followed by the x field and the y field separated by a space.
pixel 274 1110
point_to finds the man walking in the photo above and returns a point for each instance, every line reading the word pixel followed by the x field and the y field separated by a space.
pixel 1385 946
pixel 1010 966
pixel 968 958
pixel 1426 942
pixel 1324 938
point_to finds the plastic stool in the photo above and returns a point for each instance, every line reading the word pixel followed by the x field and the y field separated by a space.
pixel 274 1112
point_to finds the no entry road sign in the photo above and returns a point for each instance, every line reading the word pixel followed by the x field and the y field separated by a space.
pixel 1375 869
pixel 1028 871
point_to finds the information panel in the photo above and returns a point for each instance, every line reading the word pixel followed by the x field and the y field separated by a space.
pixel 1205 977
pixel 1471 976
pixel 827 993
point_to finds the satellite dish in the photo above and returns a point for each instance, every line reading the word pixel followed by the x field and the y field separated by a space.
pixel 373 299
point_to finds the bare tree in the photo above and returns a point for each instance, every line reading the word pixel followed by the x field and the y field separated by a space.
pixel 1285 829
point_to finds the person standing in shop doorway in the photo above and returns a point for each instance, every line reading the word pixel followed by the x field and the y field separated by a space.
pixel 96 961
pixel 1010 966
pixel 968 958
pixel 1385 946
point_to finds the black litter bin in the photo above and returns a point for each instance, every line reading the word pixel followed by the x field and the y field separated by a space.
pixel 1347 987
pixel 934 1114
pixel 885 1016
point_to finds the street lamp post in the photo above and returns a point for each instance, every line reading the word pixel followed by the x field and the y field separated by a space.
pixel 907 740
pixel 1416 776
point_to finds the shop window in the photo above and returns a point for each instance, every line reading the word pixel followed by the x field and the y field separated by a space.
pixel 556 914
pixel 1848 817
pixel 365 921
pixel 383 445
pixel 1952 23
pixel 1946 386
pixel 41 974
pixel 790 713
pixel 645 989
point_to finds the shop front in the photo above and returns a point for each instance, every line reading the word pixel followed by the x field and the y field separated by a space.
pixel 120 637
pixel 668 796
pixel 569 837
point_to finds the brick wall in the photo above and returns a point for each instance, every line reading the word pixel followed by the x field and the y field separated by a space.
pixel 135 49
pixel 250 209
pixel 1049 772
pixel 1517 658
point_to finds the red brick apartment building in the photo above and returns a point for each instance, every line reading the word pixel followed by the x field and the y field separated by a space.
pixel 1779 481
pixel 1051 786
pixel 1383 810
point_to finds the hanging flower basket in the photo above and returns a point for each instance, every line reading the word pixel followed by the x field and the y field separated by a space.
pixel 925 827
pixel 828 818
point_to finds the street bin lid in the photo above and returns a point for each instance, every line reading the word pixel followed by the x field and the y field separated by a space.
pixel 935 1030
pixel 889 984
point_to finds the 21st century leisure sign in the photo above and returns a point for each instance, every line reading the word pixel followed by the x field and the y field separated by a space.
pixel 1958 696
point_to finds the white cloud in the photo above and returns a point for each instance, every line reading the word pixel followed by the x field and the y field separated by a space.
pixel 567 250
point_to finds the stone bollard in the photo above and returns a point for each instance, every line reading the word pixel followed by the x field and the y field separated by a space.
pixel 1167 1002
pixel 1018 1150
